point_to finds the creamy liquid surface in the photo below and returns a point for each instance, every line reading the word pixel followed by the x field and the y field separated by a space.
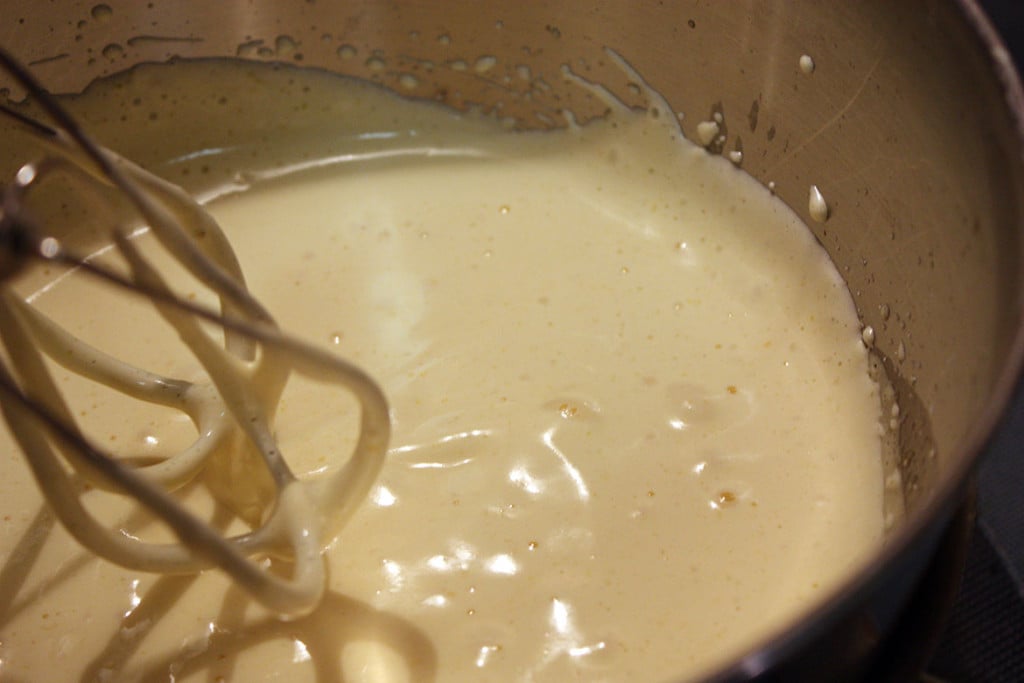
pixel 633 426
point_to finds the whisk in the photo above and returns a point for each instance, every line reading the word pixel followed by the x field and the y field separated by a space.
pixel 293 518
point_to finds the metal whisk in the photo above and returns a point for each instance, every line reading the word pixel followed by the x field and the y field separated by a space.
pixel 232 413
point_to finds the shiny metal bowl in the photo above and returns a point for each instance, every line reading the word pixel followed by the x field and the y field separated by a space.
pixel 911 125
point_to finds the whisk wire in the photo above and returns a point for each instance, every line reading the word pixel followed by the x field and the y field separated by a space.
pixel 233 413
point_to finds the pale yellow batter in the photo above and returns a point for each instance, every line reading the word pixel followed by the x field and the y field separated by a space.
pixel 633 426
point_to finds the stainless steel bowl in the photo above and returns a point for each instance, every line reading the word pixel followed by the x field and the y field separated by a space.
pixel 910 125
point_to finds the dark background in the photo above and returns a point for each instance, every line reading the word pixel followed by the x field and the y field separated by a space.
pixel 984 639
